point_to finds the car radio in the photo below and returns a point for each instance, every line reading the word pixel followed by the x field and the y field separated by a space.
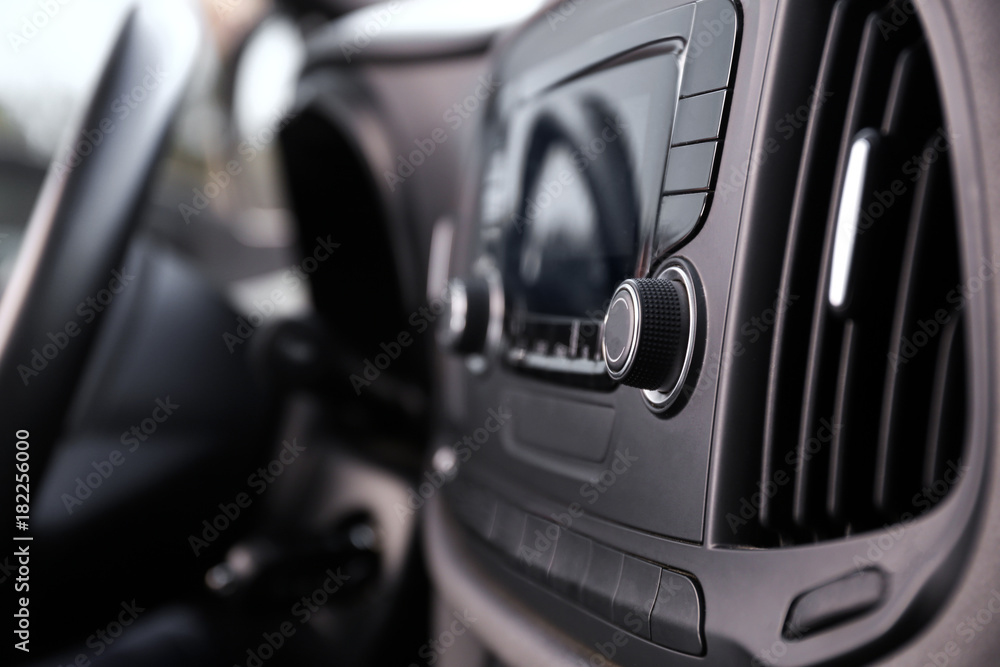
pixel 598 162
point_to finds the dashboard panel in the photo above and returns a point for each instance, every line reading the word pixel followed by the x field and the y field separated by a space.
pixel 738 200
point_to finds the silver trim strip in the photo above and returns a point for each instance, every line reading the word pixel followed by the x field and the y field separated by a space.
pixel 848 213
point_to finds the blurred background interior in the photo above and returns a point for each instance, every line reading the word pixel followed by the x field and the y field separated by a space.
pixel 210 255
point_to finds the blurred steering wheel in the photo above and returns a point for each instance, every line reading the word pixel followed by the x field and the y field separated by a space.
pixel 81 224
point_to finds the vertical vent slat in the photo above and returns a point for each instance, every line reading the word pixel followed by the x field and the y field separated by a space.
pixel 838 435
pixel 899 91
pixel 945 428
pixel 870 86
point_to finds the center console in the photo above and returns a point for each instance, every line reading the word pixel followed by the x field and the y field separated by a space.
pixel 638 351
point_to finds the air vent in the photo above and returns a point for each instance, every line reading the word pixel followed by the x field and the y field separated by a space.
pixel 865 394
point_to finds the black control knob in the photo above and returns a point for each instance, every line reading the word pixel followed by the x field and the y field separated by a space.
pixel 647 332
pixel 465 323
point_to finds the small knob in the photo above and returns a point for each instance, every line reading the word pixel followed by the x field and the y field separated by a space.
pixel 646 333
pixel 465 322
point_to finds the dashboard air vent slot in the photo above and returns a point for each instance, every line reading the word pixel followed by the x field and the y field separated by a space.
pixel 865 403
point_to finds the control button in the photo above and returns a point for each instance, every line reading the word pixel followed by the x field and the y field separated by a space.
pixel 635 596
pixel 569 565
pixel 602 580
pixel 698 118
pixel 689 167
pixel 679 216
pixel 835 602
pixel 676 618
pixel 646 333
pixel 508 528
pixel 538 546
pixel 709 57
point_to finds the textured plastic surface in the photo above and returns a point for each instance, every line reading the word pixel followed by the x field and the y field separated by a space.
pixel 662 338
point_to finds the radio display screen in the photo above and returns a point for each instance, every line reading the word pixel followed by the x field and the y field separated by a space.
pixel 581 178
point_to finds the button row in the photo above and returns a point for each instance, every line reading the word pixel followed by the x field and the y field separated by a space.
pixel 697 132
pixel 638 596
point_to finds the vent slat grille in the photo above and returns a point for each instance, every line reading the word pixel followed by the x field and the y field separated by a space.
pixel 799 276
pixel 865 398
